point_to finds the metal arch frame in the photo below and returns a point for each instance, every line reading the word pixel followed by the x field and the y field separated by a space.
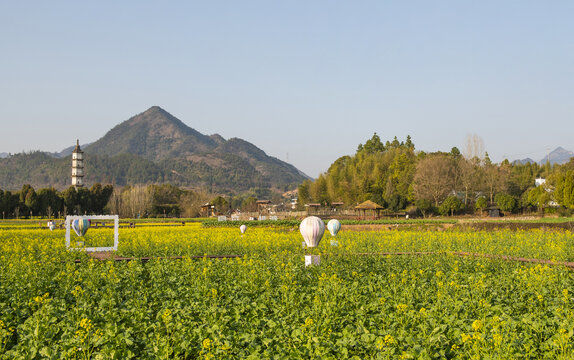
pixel 116 219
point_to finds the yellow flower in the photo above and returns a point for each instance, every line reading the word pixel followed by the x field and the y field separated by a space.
pixel 77 290
pixel 308 322
pixel 166 315
pixel 477 325
pixel 86 324
pixel 402 307
pixel 207 343
pixel 389 340
pixel 497 338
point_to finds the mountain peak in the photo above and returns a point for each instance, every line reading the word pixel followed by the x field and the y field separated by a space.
pixel 154 134
pixel 558 156
pixel 156 110
pixel 156 114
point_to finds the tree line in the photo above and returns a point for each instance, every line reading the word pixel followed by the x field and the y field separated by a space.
pixel 396 176
pixel 167 200
pixel 49 202
pixel 134 201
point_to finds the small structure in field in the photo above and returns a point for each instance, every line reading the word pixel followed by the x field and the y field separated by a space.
pixel 263 206
pixel 369 207
pixel 493 211
pixel 207 210
pixel 337 204
pixel 313 208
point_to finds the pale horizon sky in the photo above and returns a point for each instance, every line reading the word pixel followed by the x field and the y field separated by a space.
pixel 304 81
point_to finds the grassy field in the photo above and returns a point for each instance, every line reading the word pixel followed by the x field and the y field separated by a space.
pixel 266 304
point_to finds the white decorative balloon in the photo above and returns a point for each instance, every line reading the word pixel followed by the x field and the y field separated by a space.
pixel 52 227
pixel 334 226
pixel 243 228
pixel 312 229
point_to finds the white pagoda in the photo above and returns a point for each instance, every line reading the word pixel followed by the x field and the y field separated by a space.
pixel 77 166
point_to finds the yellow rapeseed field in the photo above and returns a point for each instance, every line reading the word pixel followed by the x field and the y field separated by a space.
pixel 263 304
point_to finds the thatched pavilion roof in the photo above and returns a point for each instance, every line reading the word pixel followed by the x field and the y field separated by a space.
pixel 369 205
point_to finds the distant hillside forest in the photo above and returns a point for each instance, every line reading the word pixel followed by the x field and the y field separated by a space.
pixel 41 170
pixel 397 177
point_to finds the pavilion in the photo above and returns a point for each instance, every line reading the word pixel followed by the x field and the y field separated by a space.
pixel 370 207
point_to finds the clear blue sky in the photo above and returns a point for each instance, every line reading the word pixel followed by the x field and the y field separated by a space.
pixel 306 81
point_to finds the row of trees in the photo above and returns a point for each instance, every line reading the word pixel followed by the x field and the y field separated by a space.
pixel 130 201
pixel 396 176
pixel 49 202
pixel 171 201
pixel 155 201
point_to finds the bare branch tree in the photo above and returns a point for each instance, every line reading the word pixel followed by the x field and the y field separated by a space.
pixel 474 147
pixel 434 178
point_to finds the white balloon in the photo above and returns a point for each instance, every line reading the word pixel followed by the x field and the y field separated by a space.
pixel 243 228
pixel 312 229
pixel 334 226
pixel 52 227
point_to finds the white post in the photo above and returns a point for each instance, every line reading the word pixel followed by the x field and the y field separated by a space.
pixel 312 260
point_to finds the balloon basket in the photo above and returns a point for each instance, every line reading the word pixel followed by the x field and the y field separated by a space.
pixel 312 260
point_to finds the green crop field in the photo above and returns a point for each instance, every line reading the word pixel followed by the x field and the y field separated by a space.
pixel 358 303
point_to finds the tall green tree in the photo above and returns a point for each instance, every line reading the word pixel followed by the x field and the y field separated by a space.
pixel 451 204
pixel 49 201
pixel 564 188
pixel 100 196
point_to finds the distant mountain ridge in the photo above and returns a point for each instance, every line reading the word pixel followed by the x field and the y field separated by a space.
pixel 557 156
pixel 524 161
pixel 156 147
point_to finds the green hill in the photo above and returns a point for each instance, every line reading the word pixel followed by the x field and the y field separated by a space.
pixel 156 147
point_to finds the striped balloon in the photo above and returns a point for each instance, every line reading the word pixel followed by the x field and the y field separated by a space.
pixel 334 226
pixel 80 226
pixel 312 229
